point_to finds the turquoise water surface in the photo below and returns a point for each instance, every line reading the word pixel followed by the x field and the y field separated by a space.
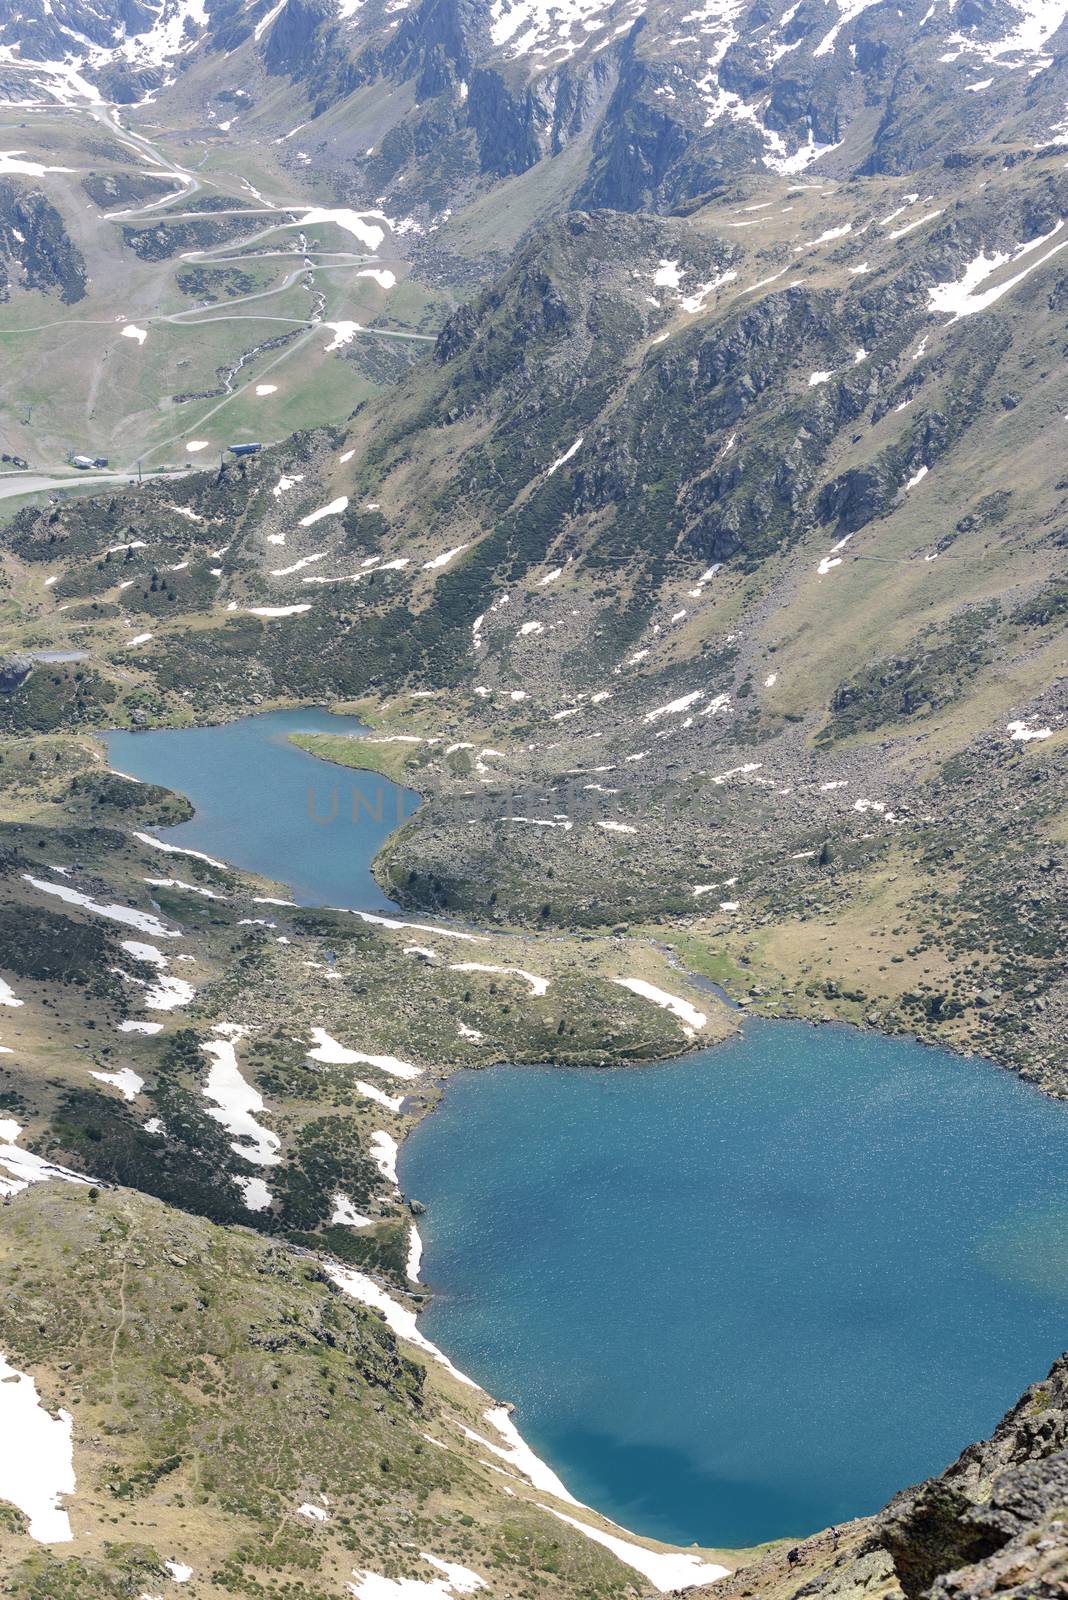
pixel 264 805
pixel 752 1292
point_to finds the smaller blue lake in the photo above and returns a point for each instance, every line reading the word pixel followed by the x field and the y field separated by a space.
pixel 264 805
pixel 756 1291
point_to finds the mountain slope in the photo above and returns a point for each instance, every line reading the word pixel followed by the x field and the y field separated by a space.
pixel 660 486
pixel 663 417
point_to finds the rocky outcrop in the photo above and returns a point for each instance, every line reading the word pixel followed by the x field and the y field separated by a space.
pixel 437 45
pixel 164 240
pixel 14 670
pixel 36 251
pixel 995 1521
pixel 293 42
pixel 647 152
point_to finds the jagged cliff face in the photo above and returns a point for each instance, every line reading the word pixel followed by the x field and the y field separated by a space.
pixel 994 1523
pixel 672 100
pixel 668 101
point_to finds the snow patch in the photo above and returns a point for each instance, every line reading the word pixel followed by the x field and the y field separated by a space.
pixel 679 1007
pixel 329 1051
pixel 560 460
pixel 345 1214
pixel 963 298
pixel 114 913
pixel 37 1461
pixel 384 1152
pixel 537 985
pixel 344 333
pixel 236 1105
pixel 444 559
pixel 368 233
pixel 668 1571
pixel 125 1080
pixel 334 509
pixel 254 1192
pixel 179 850
pixel 415 1254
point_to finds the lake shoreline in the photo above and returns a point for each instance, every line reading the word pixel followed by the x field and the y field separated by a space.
pixel 474 1297
pixel 679 1054
pixel 661 933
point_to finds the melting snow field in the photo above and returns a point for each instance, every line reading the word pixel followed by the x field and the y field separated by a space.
pixel 345 1213
pixel 964 297
pixel 354 222
pixel 457 1581
pixel 37 1458
pixel 236 1105
pixel 167 992
pixel 334 509
pixel 445 557
pixel 562 460
pixel 537 985
pixel 179 850
pixel 1021 733
pixel 277 611
pixel 344 333
pixel 384 1152
pixel 333 1054
pixel 666 1570
pixel 255 1193
pixel 14 161
pixel 680 1008
pixel 519 1455
pixel 141 920
pixel 381 275
pixel 22 1167
pixel 125 1080
pixel 392 1102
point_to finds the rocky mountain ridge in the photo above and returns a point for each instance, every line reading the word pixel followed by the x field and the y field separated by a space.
pixel 655 108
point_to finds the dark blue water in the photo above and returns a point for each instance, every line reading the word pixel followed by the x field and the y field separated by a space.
pixel 735 1297
pixel 756 1291
pixel 264 805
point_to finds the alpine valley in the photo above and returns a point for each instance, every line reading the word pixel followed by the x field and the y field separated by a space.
pixel 529 534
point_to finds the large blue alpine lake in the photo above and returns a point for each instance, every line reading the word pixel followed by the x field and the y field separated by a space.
pixel 733 1297
pixel 756 1291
